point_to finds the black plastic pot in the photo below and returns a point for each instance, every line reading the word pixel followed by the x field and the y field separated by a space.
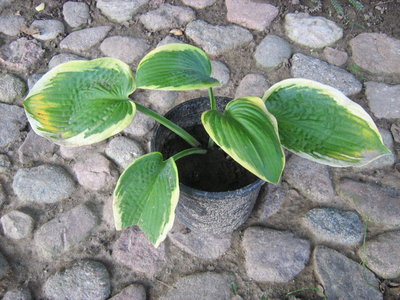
pixel 213 212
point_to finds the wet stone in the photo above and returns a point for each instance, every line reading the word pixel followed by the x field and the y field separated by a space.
pixel 308 67
pixel 48 29
pixel 86 279
pixel 43 184
pixel 134 250
pixel 5 163
pixel 4 266
pixel 123 151
pixel 35 147
pixel 163 100
pixel 84 39
pixel 383 99
pixel 131 292
pixel 203 245
pixel 220 72
pixel 274 256
pixel 17 225
pixel 18 294
pixel 11 88
pixel 11 25
pixel 33 79
pixel 63 58
pixel 22 54
pixel 76 13
pixel 169 40
pixel 199 4
pixel 272 52
pixel 120 10
pixel 335 226
pixel 140 126
pixel 378 204
pixel 335 57
pixel 61 233
pixel 126 48
pixel 208 285
pixel 376 53
pixel 252 85
pixel 382 254
pixel 12 122
pixel 216 39
pixel 94 172
pixel 343 278
pixel 167 17
pixel 313 32
pixel 251 13
pixel 311 179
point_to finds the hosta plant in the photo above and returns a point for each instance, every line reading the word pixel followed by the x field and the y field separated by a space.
pixel 84 102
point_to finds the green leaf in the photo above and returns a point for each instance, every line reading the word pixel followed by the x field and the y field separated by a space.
pixel 82 102
pixel 146 195
pixel 319 123
pixel 175 67
pixel 248 133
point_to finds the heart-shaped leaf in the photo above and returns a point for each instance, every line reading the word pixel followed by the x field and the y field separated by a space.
pixel 146 195
pixel 82 102
pixel 175 67
pixel 248 133
pixel 320 123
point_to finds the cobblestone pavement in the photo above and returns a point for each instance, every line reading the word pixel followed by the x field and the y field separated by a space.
pixel 57 239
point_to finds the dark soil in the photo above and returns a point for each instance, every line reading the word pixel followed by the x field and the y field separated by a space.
pixel 214 171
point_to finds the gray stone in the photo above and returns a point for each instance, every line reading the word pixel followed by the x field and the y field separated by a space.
pixel 220 72
pixel 35 147
pixel 169 40
pixel 167 17
pixel 272 200
pixel 252 85
pixel 201 286
pixel 33 79
pixel 5 163
pixel 61 234
pixel 376 53
pixel 216 39
pixel 48 29
pixel 203 245
pixel 85 280
pixel 343 278
pixel 141 125
pixel 252 14
pixel 199 4
pixel 272 52
pixel 120 10
pixel 18 294
pixel 43 184
pixel 131 292
pixel 76 13
pixel 12 122
pixel 5 3
pixel 77 152
pixel 163 100
pixel 2 195
pixel 63 58
pixel 335 56
pixel 381 254
pixel 4 266
pixel 11 88
pixel 395 129
pixel 123 151
pixel 93 172
pixel 82 40
pixel 308 67
pixel 22 54
pixel 17 225
pixel 383 99
pixel 126 48
pixel 133 250
pixel 311 179
pixel 313 32
pixel 11 25
pixel 274 256
pixel 379 205
pixel 335 226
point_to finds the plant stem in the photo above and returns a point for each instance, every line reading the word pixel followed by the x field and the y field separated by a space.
pixel 187 152
pixel 169 124
pixel 213 105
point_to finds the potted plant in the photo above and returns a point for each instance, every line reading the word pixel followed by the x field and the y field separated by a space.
pixel 84 102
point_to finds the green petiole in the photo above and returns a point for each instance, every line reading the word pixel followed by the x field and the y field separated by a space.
pixel 213 105
pixel 187 152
